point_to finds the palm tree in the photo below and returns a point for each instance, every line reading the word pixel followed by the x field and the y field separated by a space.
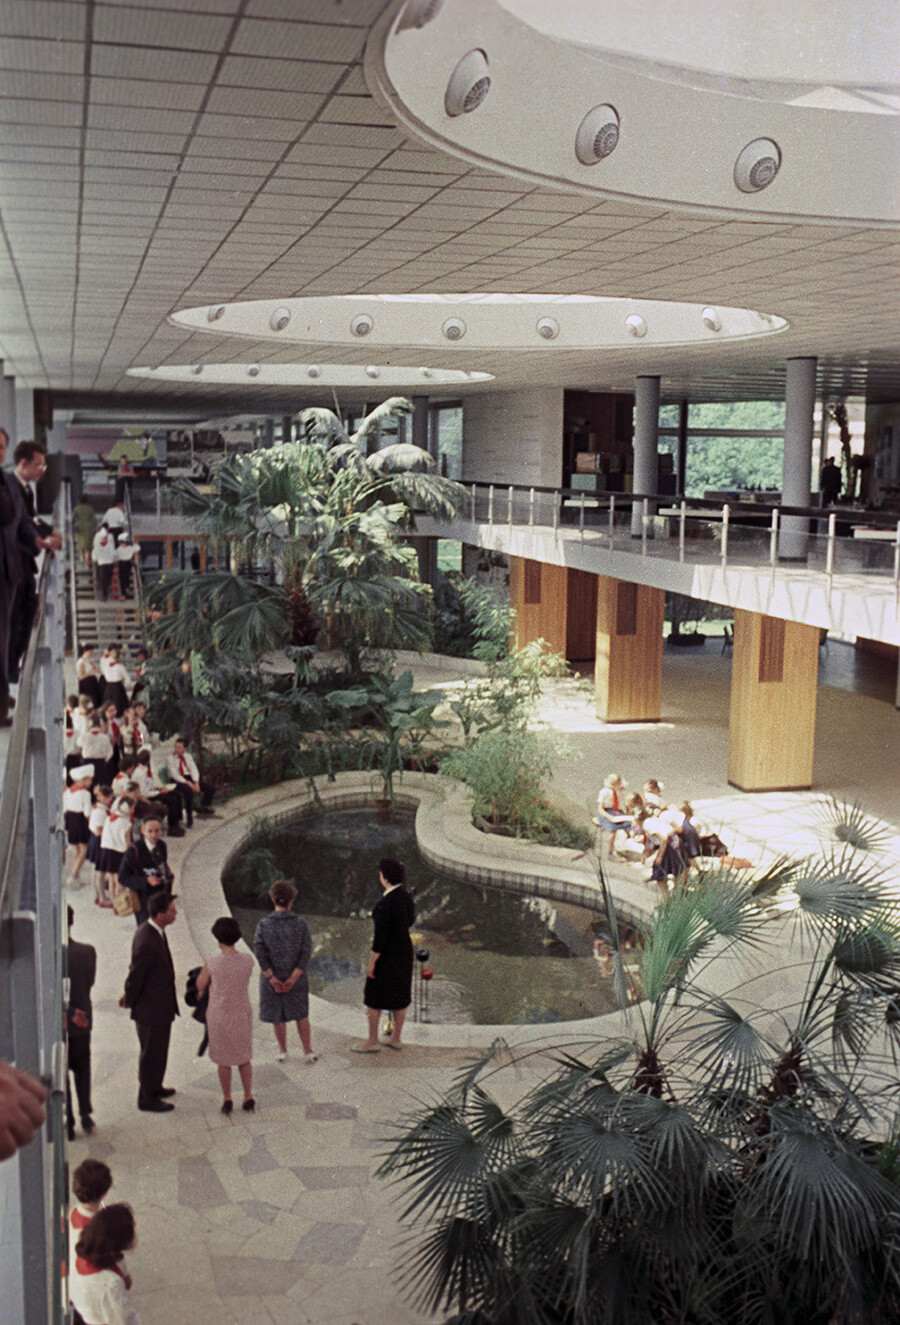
pixel 330 520
pixel 724 1157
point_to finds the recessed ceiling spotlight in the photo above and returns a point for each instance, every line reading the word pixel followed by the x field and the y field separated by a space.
pixel 416 13
pixel 711 320
pixel 426 372
pixel 454 328
pixel 757 165
pixel 314 370
pixel 253 370
pixel 361 325
pixel 469 84
pixel 279 319
pixel 598 135
pixel 197 369
pixel 547 328
pixel 216 312
pixel 636 325
pixel 372 371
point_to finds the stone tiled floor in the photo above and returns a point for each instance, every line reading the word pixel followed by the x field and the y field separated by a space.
pixel 275 1216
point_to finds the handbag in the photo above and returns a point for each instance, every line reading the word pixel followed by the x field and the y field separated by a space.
pixel 126 902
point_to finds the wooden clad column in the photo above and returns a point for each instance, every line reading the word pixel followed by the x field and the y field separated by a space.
pixel 628 670
pixel 554 603
pixel 772 730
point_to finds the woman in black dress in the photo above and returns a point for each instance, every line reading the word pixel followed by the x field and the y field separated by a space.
pixel 390 969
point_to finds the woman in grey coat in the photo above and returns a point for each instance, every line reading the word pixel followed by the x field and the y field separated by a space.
pixel 283 947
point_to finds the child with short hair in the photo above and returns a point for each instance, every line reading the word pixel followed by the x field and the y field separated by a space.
pixel 90 1183
pixel 116 838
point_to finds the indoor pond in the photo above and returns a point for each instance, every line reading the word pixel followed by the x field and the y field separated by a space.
pixel 496 957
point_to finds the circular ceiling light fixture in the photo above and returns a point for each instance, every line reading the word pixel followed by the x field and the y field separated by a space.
pixel 416 13
pixel 636 326
pixel 197 369
pixel 711 320
pixel 547 328
pixel 253 370
pixel 314 370
pixel 469 84
pixel 372 371
pixel 598 135
pixel 454 328
pixel 279 319
pixel 757 165
pixel 361 325
pixel 426 372
pixel 217 311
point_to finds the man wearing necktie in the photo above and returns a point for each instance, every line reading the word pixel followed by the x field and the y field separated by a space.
pixel 185 774
pixel 150 994
pixel 30 463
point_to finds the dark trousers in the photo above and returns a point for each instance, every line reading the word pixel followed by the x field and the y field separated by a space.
pixel 24 609
pixel 80 1068
pixel 124 578
pixel 207 791
pixel 154 1041
pixel 169 804
pixel 104 579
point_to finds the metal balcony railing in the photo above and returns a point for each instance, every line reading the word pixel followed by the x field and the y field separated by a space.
pixel 750 534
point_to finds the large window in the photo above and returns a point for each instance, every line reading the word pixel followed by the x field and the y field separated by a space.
pixel 732 447
pixel 446 425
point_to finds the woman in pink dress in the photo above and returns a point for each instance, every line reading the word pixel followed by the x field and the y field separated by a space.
pixel 229 1017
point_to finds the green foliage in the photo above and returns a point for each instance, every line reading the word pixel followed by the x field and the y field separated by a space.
pixel 735 462
pixel 850 824
pixel 716 1164
pixel 387 724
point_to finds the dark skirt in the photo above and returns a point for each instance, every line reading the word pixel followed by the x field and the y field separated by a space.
pixel 110 861
pixel 93 851
pixel 114 692
pixel 101 772
pixel 92 686
pixel 77 830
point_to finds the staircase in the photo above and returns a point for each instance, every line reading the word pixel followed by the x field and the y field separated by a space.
pixel 116 621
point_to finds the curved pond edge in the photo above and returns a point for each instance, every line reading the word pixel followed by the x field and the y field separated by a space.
pixel 448 840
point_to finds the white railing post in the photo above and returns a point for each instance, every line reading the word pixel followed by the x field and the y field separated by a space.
pixel 726 512
pixel 645 520
pixel 531 506
pixel 581 516
pixel 474 495
pixel 557 501
pixel 491 505
pixel 897 566
pixel 612 518
pixel 773 539
pixel 509 506
pixel 829 552
pixel 682 521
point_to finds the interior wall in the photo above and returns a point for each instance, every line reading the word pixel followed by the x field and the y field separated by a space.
pixel 513 437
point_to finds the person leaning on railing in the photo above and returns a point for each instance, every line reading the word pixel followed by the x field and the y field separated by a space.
pixel 21 1109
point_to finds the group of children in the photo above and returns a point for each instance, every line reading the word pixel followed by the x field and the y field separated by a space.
pixel 99 1237
pixel 667 836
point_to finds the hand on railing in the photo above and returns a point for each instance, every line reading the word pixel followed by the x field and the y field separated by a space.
pixel 21 1109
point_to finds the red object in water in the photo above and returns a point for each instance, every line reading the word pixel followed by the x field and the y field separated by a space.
pixel 427 972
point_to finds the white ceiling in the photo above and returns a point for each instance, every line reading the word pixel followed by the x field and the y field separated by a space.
pixel 154 157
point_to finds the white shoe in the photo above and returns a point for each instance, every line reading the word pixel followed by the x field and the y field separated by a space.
pixel 282 1057
pixel 311 1058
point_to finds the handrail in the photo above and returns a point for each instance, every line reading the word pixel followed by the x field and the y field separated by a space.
pixel 12 845
pixel 136 581
pixel 68 526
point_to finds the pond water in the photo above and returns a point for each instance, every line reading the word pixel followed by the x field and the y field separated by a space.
pixel 495 955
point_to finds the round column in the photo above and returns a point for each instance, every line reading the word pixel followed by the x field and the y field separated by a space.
pixel 796 483
pixel 646 446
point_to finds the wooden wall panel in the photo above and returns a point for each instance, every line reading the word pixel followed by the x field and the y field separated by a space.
pixel 553 603
pixel 773 722
pixel 628 666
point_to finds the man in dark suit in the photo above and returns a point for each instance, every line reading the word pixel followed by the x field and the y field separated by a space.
pixel 19 542
pixel 150 994
pixel 81 966
pixel 30 460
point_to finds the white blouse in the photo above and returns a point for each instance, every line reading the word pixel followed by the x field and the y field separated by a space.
pixel 102 1298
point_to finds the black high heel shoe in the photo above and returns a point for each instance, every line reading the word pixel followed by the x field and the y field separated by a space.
pixel 227 1106
pixel 248 1106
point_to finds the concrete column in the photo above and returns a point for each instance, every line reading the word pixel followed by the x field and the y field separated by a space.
pixel 24 413
pixel 420 422
pixel 8 409
pixel 268 432
pixel 628 667
pixel 796 483
pixel 774 675
pixel 287 432
pixel 646 444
